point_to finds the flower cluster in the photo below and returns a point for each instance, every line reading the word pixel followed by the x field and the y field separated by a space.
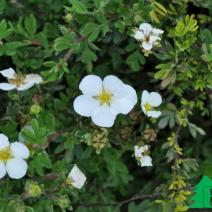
pixel 104 100
pixel 148 36
pixel 142 155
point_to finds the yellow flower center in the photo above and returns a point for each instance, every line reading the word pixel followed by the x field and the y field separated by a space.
pixel 105 97
pixel 5 154
pixel 148 107
pixel 18 80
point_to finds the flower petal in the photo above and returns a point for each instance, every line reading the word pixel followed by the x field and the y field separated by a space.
pixel 16 168
pixel 153 39
pixel 130 93
pixel 6 86
pixel 154 114
pixel 19 150
pixel 85 105
pixel 113 84
pixel 25 86
pixel 91 85
pixel 146 161
pixel 139 35
pixel 145 96
pixel 147 45
pixel 103 116
pixel 2 170
pixel 137 152
pixel 77 177
pixel 157 31
pixel 122 105
pixel 35 78
pixel 4 142
pixel 8 73
pixel 146 28
pixel 155 99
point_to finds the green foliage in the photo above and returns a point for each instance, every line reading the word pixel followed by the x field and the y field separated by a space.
pixel 65 40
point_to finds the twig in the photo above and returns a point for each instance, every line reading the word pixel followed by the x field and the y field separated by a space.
pixel 139 197
pixel 120 204
pixel 69 52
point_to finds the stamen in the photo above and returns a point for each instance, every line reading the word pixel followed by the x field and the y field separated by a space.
pixel 18 80
pixel 5 154
pixel 104 97
pixel 148 107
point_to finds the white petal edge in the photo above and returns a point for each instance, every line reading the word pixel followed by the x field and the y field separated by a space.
pixel 7 86
pixel 25 86
pixel 19 150
pixel 16 168
pixel 2 170
pixel 145 96
pixel 122 105
pixel 77 177
pixel 8 73
pixel 139 35
pixel 91 85
pixel 4 142
pixel 147 46
pixel 112 84
pixel 130 93
pixel 85 105
pixel 35 78
pixel 146 28
pixel 146 161
pixel 137 152
pixel 157 31
pixel 155 99
pixel 103 116
pixel 154 114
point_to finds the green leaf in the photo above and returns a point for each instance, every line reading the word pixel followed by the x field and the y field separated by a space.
pixel 135 60
pixel 30 24
pixel 2 6
pixel 78 7
pixel 88 55
pixel 39 162
pixel 91 31
pixel 4 31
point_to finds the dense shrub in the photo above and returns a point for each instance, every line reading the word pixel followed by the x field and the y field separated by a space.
pixel 52 45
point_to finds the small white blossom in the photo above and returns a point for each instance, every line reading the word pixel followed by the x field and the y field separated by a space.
pixel 76 177
pixel 141 155
pixel 103 100
pixel 148 36
pixel 19 81
pixel 149 101
pixel 12 158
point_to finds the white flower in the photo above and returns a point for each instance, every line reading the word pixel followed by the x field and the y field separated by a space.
pixel 141 154
pixel 12 158
pixel 76 177
pixel 148 35
pixel 19 81
pixel 104 100
pixel 149 101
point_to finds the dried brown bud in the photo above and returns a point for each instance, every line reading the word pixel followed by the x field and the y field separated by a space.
pixel 150 134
